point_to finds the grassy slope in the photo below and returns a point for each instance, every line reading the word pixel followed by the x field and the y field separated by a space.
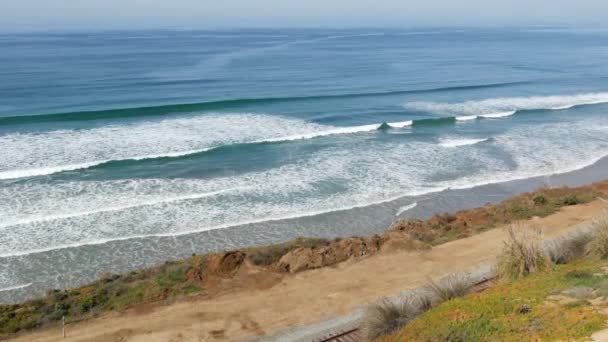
pixel 111 292
pixel 185 277
pixel 494 315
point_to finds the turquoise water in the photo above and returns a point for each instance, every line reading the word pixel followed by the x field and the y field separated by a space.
pixel 122 149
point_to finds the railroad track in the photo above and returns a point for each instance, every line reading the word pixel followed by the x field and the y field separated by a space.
pixel 352 335
pixel 356 334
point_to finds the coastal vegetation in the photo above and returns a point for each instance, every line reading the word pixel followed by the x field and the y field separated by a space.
pixel 209 274
pixel 538 297
pixel 562 304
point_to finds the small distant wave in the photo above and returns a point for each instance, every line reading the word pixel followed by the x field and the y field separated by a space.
pixel 485 116
pixel 507 106
pixel 401 124
pixel 172 109
pixel 497 115
pixel 406 208
pixel 459 142
pixel 16 287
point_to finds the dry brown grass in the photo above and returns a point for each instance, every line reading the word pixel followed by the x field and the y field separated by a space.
pixel 453 286
pixel 598 246
pixel 388 316
pixel 570 247
pixel 522 254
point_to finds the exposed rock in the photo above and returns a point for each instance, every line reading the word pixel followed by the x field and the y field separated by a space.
pixel 397 240
pixel 297 260
pixel 225 265
pixel 301 259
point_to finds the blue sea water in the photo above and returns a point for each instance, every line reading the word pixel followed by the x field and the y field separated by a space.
pixel 122 149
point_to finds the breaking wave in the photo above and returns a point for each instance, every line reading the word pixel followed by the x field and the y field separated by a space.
pixel 16 287
pixel 40 154
pixel 506 106
pixel 406 208
pixel 457 142
pixel 73 150
pixel 47 216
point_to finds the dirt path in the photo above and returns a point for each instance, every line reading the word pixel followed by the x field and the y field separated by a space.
pixel 306 297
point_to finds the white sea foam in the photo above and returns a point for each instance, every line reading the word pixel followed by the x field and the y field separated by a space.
pixel 457 142
pixel 13 174
pixel 466 117
pixel 401 124
pixel 406 208
pixel 497 115
pixel 43 171
pixel 329 180
pixel 16 287
pixel 505 106
pixel 38 154
pixel 143 203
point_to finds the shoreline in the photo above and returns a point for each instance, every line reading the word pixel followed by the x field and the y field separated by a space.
pixel 356 221
pixel 255 296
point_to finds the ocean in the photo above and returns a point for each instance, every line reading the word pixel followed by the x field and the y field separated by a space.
pixel 120 150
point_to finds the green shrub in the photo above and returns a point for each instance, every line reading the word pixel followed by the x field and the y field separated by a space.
pixel 571 199
pixel 498 314
pixel 540 200
pixel 87 303
pixel 579 274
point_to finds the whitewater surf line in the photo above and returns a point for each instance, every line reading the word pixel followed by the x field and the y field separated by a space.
pixel 118 208
pixel 194 231
pixel 436 189
pixel 16 287
pixel 43 171
pixel 164 110
pixel 406 208
pixel 506 106
pixel 458 142
pixel 589 99
pixel 497 115
pixel 48 170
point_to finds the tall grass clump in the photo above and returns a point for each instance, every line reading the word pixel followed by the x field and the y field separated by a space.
pixel 522 254
pixel 568 248
pixel 388 316
pixel 598 246
pixel 453 286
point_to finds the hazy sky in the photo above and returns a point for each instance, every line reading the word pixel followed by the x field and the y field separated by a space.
pixel 25 15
